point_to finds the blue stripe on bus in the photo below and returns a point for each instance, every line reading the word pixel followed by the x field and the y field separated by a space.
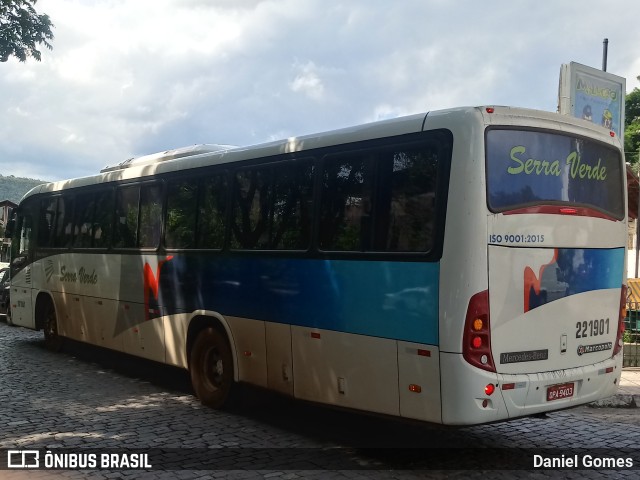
pixel 574 271
pixel 396 300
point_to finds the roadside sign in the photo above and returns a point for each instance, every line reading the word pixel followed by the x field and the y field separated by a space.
pixel 592 95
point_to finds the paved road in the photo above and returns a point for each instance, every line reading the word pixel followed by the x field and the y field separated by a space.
pixel 84 399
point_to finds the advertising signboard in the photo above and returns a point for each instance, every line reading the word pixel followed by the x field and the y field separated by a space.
pixel 593 95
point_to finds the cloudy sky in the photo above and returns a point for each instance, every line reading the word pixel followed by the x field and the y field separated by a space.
pixel 132 77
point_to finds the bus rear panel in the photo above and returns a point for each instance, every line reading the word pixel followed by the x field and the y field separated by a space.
pixel 546 332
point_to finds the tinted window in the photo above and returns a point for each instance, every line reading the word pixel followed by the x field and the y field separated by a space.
pixel 64 222
pixel 346 209
pixel 102 223
pixel 55 225
pixel 125 234
pixel 93 215
pixel 150 216
pixel 251 208
pixel 272 207
pixel 290 226
pixel 405 219
pixel 196 212
pixel 211 211
pixel 83 225
pixel 21 242
pixel 83 220
pixel 47 222
pixel 182 201
pixel 382 200
pixel 532 168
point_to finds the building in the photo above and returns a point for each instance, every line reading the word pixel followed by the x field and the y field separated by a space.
pixel 6 208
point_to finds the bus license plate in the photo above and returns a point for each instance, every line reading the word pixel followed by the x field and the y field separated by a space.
pixel 558 392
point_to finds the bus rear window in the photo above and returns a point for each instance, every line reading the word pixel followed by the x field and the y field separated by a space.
pixel 528 168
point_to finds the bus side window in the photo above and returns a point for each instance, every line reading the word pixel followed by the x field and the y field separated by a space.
pixel 345 206
pixel 47 222
pixel 64 222
pixel 251 208
pixel 126 217
pixel 21 244
pixel 381 201
pixel 292 202
pixel 180 220
pixel 150 217
pixel 212 208
pixel 102 221
pixel 83 223
pixel 272 206
pixel 405 213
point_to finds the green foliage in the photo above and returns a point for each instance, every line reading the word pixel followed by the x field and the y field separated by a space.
pixel 22 30
pixel 632 126
pixel 632 107
pixel 13 188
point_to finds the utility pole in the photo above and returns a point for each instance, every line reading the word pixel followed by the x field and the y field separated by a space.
pixel 605 47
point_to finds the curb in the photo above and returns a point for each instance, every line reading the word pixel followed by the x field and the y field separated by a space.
pixel 617 401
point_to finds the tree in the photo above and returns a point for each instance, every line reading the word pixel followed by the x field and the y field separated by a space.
pixel 22 30
pixel 632 126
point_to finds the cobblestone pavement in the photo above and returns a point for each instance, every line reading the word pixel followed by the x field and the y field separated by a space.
pixel 83 399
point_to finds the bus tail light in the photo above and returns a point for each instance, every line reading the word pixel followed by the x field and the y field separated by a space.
pixel 476 340
pixel 568 211
pixel 623 314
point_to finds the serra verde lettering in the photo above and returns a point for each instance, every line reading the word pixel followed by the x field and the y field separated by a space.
pixel 80 276
pixel 532 166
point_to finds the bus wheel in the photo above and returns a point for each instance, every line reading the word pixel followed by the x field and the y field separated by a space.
pixel 211 368
pixel 52 340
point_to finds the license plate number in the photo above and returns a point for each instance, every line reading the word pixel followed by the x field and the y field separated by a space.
pixel 558 392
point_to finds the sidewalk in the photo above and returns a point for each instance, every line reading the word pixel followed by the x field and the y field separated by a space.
pixel 628 392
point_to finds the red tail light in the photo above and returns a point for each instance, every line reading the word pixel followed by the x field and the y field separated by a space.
pixel 623 314
pixel 476 340
pixel 568 211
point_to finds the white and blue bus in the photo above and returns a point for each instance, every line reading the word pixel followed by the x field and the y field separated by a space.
pixel 460 267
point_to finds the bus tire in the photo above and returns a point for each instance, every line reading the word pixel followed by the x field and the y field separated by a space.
pixel 211 368
pixel 52 340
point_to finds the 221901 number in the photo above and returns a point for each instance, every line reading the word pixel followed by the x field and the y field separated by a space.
pixel 592 328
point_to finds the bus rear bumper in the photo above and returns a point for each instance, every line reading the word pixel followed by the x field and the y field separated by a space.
pixel 543 392
pixel 465 401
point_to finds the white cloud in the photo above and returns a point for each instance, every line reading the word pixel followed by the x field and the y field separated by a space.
pixel 308 81
pixel 72 137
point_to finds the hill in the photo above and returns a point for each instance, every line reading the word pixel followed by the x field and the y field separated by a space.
pixel 13 188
